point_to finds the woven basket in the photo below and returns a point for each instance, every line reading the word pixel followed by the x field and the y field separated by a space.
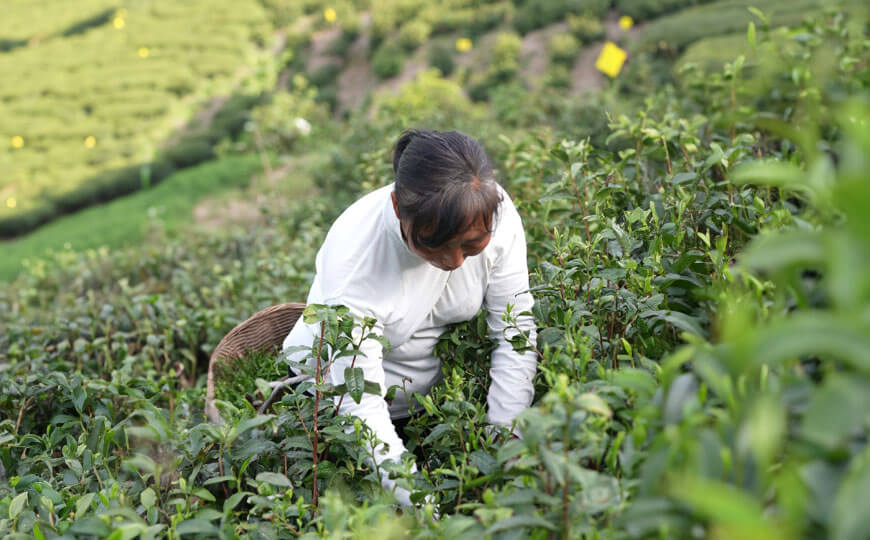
pixel 263 331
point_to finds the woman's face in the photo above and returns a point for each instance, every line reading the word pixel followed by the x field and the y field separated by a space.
pixel 450 256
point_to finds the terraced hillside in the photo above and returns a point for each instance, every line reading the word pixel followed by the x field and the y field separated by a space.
pixel 92 91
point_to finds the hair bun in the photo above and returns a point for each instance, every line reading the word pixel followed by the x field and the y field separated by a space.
pixel 401 144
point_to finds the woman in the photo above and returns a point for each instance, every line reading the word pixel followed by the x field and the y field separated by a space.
pixel 427 251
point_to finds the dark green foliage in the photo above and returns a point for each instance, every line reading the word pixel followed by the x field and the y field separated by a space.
pixel 9 44
pixel 83 26
pixel 328 95
pixel 558 75
pixel 641 10
pixel 564 48
pixel 532 14
pixel 503 67
pixel 441 56
pixel 388 60
pixel 325 75
pixel 230 119
pixel 586 29
pixel 190 151
pixel 413 34
pixel 342 43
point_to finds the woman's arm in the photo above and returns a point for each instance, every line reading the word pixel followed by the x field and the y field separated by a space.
pixel 372 408
pixel 511 390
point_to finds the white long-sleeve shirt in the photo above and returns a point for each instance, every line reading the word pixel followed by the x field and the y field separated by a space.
pixel 365 265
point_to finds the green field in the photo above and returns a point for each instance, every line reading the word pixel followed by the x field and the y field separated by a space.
pixel 126 221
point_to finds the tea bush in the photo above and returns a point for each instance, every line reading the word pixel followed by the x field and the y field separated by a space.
pixel 413 34
pixel 532 14
pixel 502 68
pixel 564 48
pixel 585 29
pixel 558 76
pixel 441 56
pixel 388 60
pixel 647 9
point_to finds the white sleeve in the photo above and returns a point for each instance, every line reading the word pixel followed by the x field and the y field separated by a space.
pixel 511 390
pixel 372 408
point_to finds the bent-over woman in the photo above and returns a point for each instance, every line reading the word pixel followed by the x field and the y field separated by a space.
pixel 427 251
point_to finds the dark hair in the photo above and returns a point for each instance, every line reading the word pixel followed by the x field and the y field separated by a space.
pixel 444 181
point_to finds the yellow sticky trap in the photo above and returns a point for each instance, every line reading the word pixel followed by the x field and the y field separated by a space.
pixel 330 15
pixel 626 22
pixel 463 44
pixel 610 60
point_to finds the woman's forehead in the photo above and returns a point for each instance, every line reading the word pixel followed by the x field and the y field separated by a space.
pixel 476 230
pixel 475 226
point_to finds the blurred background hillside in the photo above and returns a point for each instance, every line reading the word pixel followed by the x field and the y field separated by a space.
pixel 105 98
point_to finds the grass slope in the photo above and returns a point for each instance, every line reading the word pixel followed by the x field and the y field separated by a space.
pixel 126 220
pixel 677 31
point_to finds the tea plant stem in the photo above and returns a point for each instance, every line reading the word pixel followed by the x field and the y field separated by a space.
pixel 341 398
pixel 461 438
pixel 21 413
pixel 314 454
pixel 261 149
pixel 585 221
pixel 548 487
pixel 612 325
pixel 625 331
pixel 667 155
pixel 100 480
pixel 566 519
pixel 637 155
pixel 686 155
pixel 304 426
pixel 733 107
pixel 220 468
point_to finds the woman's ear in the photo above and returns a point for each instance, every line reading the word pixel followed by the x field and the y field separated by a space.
pixel 395 203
